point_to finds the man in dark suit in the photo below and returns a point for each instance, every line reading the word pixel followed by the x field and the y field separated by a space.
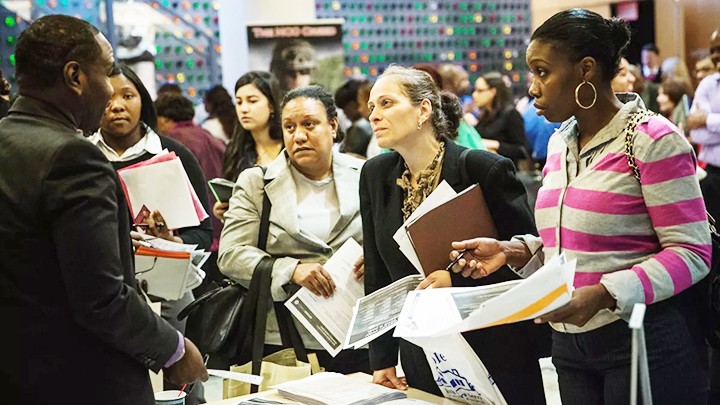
pixel 74 326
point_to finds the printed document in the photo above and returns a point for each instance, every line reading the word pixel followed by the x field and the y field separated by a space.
pixel 377 313
pixel 328 319
pixel 471 308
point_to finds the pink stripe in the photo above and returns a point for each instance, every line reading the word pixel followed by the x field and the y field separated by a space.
pixel 656 128
pixel 646 284
pixel 613 162
pixel 587 242
pixel 585 279
pixel 548 198
pixel 552 164
pixel 678 213
pixel 604 202
pixel 704 251
pixel 673 167
pixel 548 237
pixel 677 269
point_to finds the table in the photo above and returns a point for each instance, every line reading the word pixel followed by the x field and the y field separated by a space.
pixel 272 394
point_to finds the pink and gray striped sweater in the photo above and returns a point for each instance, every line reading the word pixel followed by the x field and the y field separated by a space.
pixel 643 243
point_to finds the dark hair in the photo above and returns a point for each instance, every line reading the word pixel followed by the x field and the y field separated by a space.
pixel 579 33
pixel 175 106
pixel 650 47
pixel 218 103
pixel 48 44
pixel 240 153
pixel 503 99
pixel 148 116
pixel 320 94
pixel 168 88
pixel 675 88
pixel 348 92
pixel 418 86
pixel 433 72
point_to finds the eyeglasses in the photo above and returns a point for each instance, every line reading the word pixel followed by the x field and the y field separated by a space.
pixel 482 90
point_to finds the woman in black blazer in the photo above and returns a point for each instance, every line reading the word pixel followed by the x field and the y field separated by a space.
pixel 501 125
pixel 410 116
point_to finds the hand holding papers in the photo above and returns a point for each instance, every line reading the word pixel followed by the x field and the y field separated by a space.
pixel 480 307
pixel 328 319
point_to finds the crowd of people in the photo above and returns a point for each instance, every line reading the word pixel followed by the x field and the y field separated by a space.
pixel 356 164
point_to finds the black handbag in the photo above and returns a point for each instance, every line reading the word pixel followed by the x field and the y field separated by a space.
pixel 702 300
pixel 217 314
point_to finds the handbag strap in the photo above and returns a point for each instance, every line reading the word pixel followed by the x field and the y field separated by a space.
pixel 630 129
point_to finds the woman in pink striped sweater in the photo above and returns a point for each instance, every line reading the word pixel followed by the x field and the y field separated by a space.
pixel 633 243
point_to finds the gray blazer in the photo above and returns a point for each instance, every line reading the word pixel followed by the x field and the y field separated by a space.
pixel 289 245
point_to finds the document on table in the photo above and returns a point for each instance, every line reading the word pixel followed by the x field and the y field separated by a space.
pixel 471 308
pixel 328 319
pixel 378 312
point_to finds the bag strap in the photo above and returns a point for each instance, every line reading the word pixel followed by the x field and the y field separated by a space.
pixel 630 129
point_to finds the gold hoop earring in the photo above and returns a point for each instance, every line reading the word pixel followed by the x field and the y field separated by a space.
pixel 577 92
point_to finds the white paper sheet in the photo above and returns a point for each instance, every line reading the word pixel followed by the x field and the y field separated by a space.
pixel 162 186
pixel 166 277
pixel 377 313
pixel 328 319
pixel 232 375
pixel 480 307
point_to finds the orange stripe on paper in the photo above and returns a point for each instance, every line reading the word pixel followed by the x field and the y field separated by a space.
pixel 143 251
pixel 532 308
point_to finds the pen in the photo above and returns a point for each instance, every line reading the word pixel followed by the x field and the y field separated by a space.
pixel 452 263
pixel 146 244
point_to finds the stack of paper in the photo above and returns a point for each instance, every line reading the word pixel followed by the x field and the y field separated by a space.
pixel 444 217
pixel 162 184
pixel 337 389
pixel 169 268
pixel 469 308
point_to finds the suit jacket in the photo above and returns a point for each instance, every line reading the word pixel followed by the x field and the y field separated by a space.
pixel 380 204
pixel 508 128
pixel 287 243
pixel 67 299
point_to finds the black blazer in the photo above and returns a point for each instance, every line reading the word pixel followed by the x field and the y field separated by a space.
pixel 71 314
pixel 380 205
pixel 508 128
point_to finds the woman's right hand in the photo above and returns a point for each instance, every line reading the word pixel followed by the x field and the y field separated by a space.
pixel 482 257
pixel 219 210
pixel 315 278
pixel 388 378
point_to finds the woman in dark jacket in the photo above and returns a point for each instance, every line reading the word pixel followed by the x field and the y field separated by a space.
pixel 410 116
pixel 500 125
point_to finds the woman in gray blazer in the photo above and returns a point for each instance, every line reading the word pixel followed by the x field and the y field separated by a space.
pixel 313 192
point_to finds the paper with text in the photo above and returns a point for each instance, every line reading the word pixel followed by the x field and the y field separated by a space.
pixel 328 319
pixel 377 313
pixel 473 308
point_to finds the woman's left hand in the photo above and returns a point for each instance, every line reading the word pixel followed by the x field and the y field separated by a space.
pixel 436 279
pixel 584 304
pixel 158 228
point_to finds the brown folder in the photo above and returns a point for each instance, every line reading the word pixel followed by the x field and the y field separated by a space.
pixel 466 216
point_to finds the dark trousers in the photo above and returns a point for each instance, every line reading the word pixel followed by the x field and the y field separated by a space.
pixel 594 367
